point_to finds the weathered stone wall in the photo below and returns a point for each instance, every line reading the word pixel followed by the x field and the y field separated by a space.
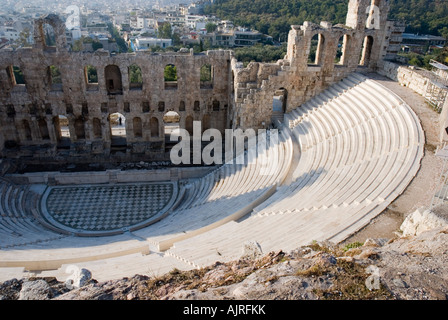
pixel 31 107
pixel 405 75
pixel 236 97
pixel 417 80
pixel 256 85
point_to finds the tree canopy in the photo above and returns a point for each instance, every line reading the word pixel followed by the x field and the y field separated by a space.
pixel 274 17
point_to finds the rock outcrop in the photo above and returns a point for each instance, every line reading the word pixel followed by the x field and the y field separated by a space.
pixel 404 268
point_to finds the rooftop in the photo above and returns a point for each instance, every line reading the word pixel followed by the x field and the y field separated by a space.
pixel 421 37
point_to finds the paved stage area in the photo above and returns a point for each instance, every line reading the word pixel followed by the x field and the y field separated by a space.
pixel 103 208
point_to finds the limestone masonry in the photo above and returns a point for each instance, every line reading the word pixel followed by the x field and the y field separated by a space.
pixel 233 97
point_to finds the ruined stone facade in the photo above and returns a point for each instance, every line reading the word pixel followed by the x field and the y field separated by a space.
pixel 364 41
pixel 233 97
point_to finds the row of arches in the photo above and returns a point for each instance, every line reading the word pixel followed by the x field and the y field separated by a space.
pixel 113 77
pixel 76 129
pixel 318 47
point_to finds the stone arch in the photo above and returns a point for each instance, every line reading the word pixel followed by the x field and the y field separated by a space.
pixel 206 76
pixel 49 33
pixel 112 75
pixel 346 45
pixel 280 100
pixel 170 76
pixel 43 129
pixel 215 105
pixel 15 75
pixel 27 130
pixel 182 106
pixel 135 77
pixel 54 77
pixel 317 49
pixel 339 55
pixel 154 127
pixel 366 51
pixel 80 131
pixel 91 77
pixel 61 128
pixel 97 128
pixel 171 125
pixel 196 106
pixel 137 127
pixel 118 132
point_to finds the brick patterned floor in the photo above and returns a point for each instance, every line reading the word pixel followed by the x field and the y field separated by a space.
pixel 102 208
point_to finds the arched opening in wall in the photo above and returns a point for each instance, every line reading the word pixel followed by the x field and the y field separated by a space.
pixel 26 130
pixel 117 123
pixel 49 36
pixel 171 123
pixel 91 77
pixel 137 127
pixel 339 59
pixel 154 127
pixel 317 45
pixel 135 77
pixel 196 106
pixel 15 75
pixel 366 51
pixel 206 76
pixel 112 75
pixel 62 131
pixel 54 78
pixel 182 106
pixel 279 104
pixel 170 76
pixel 80 131
pixel 97 128
pixel 43 129
pixel 189 125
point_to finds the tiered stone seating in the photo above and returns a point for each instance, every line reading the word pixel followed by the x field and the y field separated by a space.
pixel 360 147
pixel 18 226
pixel 239 189
pixel 208 203
pixel 341 159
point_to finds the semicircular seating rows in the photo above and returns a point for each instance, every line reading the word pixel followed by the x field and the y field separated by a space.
pixel 340 160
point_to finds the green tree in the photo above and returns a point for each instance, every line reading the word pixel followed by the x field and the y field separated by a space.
pixel 122 46
pixel 23 38
pixel 211 27
pixel 206 73
pixel 92 75
pixel 18 75
pixel 170 73
pixel 165 31
pixel 96 45
pixel 274 17
pixel 135 74
pixel 78 45
pixel 55 75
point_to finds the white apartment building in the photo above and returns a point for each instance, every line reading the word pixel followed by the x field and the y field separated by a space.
pixel 146 43
pixel 9 33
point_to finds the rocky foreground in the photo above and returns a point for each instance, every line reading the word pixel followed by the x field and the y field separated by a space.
pixel 403 268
